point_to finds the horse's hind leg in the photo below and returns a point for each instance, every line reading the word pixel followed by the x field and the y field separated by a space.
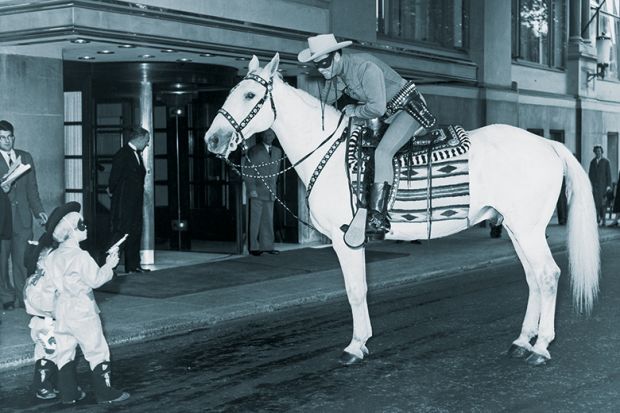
pixel 521 347
pixel 542 274
pixel 353 264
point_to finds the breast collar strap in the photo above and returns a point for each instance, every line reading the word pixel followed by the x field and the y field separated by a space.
pixel 240 140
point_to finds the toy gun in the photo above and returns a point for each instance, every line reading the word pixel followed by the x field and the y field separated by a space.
pixel 118 243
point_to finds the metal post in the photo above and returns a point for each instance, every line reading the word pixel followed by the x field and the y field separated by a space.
pixel 145 117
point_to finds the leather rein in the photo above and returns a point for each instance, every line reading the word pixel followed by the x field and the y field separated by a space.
pixel 240 141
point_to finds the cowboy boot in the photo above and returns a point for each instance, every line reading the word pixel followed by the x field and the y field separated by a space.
pixel 45 372
pixel 70 392
pixel 104 392
pixel 378 223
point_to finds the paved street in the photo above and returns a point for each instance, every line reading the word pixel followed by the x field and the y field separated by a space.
pixel 438 347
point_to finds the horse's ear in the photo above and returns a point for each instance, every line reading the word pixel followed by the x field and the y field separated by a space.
pixel 254 64
pixel 272 67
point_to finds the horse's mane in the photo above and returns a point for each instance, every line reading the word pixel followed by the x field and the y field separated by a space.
pixel 311 101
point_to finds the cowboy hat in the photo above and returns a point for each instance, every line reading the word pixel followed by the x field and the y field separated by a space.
pixel 58 214
pixel 321 45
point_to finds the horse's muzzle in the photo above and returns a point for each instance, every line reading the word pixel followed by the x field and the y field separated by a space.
pixel 218 141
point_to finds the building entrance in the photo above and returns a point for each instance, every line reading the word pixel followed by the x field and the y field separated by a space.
pixel 197 200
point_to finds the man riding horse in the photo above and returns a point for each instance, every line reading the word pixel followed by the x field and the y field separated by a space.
pixel 381 93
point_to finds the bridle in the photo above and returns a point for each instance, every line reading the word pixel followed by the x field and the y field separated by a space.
pixel 239 138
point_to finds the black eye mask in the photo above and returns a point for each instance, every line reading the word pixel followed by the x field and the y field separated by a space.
pixel 81 225
pixel 325 63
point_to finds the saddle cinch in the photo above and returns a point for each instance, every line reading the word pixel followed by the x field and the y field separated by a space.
pixel 431 176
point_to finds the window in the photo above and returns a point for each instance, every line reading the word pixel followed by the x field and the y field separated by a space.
pixel 439 22
pixel 74 187
pixel 539 31
pixel 557 135
pixel 536 131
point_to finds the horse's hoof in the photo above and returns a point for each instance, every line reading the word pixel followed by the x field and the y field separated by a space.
pixel 536 359
pixel 347 359
pixel 518 352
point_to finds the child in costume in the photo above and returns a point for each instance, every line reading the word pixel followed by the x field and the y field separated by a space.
pixel 75 274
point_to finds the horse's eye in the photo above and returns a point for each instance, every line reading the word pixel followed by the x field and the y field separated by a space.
pixel 249 96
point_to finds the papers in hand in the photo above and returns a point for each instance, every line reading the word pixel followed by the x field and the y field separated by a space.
pixel 15 171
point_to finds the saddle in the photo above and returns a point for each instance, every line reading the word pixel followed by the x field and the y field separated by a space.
pixel 439 144
pixel 431 176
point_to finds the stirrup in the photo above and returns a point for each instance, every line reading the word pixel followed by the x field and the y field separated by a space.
pixel 377 223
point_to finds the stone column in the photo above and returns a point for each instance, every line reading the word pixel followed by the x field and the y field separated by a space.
pixel 585 17
pixel 575 20
pixel 145 118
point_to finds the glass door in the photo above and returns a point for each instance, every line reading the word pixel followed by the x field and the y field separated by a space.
pixel 198 204
pixel 111 119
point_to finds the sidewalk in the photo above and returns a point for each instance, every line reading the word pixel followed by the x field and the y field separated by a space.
pixel 132 318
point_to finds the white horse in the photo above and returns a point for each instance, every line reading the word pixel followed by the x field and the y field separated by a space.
pixel 513 174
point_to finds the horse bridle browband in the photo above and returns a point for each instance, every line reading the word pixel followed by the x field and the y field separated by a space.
pixel 240 126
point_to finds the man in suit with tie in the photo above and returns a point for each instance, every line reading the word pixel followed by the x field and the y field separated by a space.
pixel 25 202
pixel 264 161
pixel 126 187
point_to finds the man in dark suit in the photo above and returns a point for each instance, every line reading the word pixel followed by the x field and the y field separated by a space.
pixel 264 160
pixel 600 177
pixel 25 202
pixel 6 232
pixel 126 187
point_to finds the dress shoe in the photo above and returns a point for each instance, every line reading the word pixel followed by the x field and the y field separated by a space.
pixel 273 252
pixel 140 269
pixel 256 253
pixel 8 306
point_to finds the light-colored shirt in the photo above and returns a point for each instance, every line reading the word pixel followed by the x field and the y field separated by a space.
pixel 9 155
pixel 366 79
pixel 135 152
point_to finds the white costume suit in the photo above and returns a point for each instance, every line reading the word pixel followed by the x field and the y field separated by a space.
pixel 75 273
pixel 39 302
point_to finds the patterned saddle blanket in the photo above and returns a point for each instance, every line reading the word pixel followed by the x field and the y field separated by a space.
pixel 431 175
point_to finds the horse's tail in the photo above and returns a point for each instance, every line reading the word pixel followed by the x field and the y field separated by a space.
pixel 582 240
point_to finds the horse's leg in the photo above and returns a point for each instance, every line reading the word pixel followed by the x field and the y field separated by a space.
pixel 521 347
pixel 353 264
pixel 548 275
pixel 545 274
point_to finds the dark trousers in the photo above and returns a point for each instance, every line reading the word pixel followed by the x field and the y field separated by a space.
pixel 562 207
pixel 15 248
pixel 261 225
pixel 131 246
pixel 599 204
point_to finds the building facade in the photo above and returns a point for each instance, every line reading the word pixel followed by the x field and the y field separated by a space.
pixel 75 74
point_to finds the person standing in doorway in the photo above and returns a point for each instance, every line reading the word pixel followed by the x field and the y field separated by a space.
pixel 25 202
pixel 260 171
pixel 600 177
pixel 126 187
